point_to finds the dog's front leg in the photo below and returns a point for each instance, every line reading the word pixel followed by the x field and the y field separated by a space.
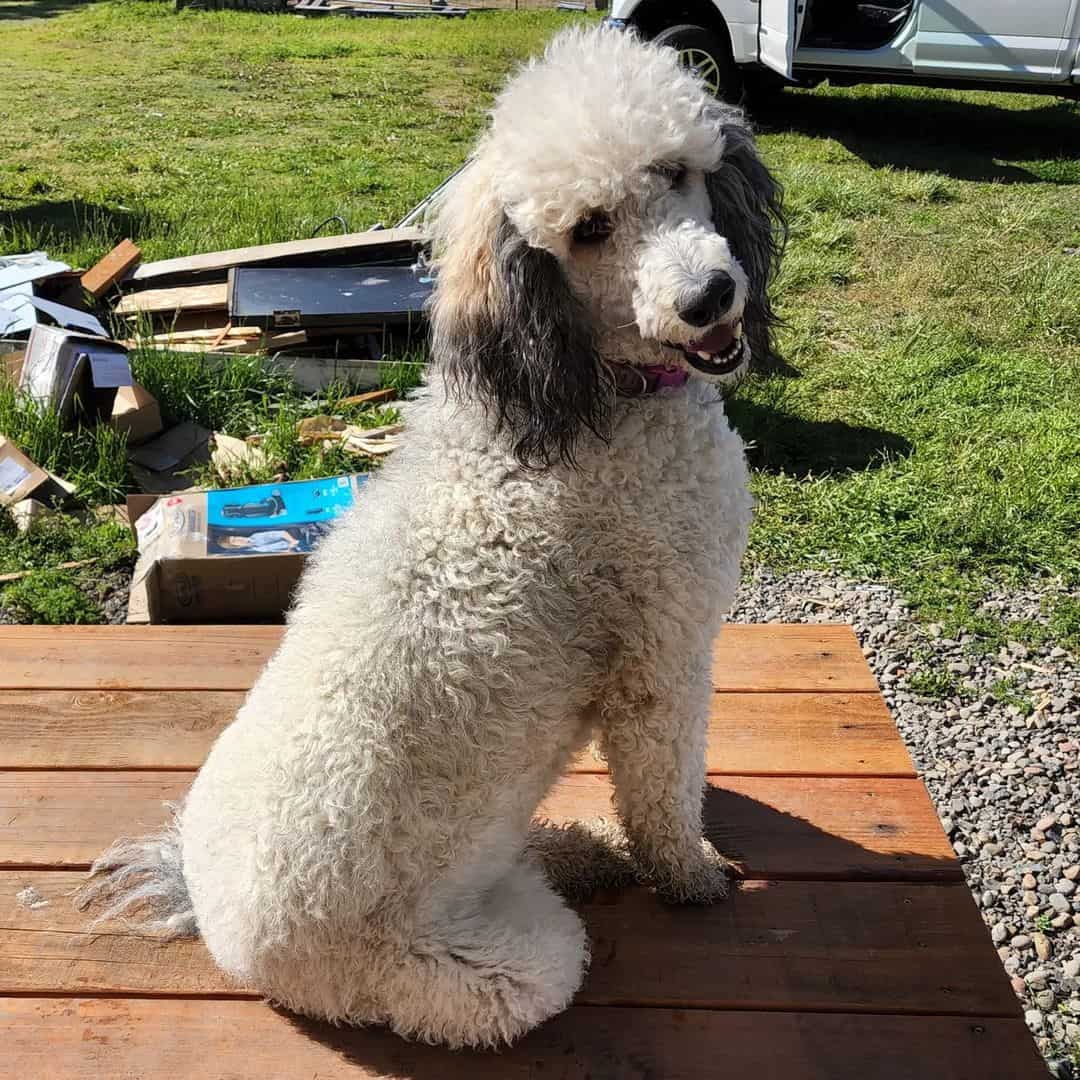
pixel 655 747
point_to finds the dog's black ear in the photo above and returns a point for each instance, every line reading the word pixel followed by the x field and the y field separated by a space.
pixel 508 331
pixel 748 209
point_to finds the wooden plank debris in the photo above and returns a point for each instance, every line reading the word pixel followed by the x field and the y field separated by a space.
pixel 169 301
pixel 364 244
pixel 111 269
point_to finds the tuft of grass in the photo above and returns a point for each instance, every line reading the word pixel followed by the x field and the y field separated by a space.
pixel 932 682
pixel 1005 691
pixel 49 596
pixel 1064 622
pixel 230 394
pixel 403 374
pixel 93 457
pixel 61 538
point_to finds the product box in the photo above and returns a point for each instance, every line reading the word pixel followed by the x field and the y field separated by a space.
pixel 136 413
pixel 20 479
pixel 62 368
pixel 19 476
pixel 233 555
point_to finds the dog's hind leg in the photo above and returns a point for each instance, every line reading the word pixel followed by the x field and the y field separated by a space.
pixel 490 967
pixel 582 856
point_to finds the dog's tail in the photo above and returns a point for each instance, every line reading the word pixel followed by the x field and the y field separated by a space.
pixel 142 881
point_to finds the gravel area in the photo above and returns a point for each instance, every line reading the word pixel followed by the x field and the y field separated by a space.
pixel 997 745
pixel 113 589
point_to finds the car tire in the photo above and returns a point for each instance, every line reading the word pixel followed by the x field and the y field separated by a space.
pixel 709 54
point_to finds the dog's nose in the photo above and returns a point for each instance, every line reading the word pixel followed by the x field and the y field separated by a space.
pixel 712 302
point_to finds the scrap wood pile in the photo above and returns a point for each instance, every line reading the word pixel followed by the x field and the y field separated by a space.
pixel 295 297
pixel 322 310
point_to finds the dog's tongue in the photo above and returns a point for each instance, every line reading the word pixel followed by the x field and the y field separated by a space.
pixel 715 341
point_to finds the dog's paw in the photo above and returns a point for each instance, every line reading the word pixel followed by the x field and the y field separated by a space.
pixel 581 857
pixel 700 879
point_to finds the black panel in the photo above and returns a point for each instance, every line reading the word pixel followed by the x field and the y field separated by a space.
pixel 327 297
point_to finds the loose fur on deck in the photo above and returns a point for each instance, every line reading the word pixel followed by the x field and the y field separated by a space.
pixel 543 564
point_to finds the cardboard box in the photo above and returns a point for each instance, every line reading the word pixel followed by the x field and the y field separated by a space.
pixel 233 555
pixel 19 476
pixel 136 412
pixel 62 367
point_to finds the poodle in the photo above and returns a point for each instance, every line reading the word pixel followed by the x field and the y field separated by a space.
pixel 545 563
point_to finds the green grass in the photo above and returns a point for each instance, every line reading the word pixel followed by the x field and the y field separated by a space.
pixel 205 130
pixel 932 299
pixel 931 290
pixel 93 458
pixel 932 682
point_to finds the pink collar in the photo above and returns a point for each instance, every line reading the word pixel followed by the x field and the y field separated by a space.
pixel 633 381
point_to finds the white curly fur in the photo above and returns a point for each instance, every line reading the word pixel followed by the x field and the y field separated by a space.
pixel 355 845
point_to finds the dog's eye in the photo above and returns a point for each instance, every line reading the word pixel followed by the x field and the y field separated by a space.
pixel 594 229
pixel 672 171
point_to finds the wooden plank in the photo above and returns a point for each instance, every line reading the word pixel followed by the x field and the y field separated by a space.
pixel 88 1038
pixel 68 818
pixel 837 946
pixel 115 729
pixel 780 827
pixel 802 827
pixel 134 657
pixel 797 734
pixel 107 271
pixel 267 254
pixel 168 301
pixel 774 658
pixel 766 734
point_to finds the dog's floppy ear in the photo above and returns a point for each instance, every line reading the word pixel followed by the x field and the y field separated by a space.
pixel 747 206
pixel 508 331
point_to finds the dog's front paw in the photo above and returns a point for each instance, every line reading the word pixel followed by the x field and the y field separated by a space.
pixel 701 878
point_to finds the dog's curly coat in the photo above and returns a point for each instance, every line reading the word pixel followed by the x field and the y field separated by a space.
pixel 543 563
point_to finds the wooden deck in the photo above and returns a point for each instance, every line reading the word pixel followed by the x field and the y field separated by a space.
pixel 852 948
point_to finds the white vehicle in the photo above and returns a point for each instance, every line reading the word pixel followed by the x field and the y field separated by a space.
pixel 982 44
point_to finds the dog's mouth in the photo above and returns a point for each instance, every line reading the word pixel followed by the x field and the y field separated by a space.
pixel 719 352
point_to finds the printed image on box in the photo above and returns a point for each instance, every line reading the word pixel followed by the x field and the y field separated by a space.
pixel 272 519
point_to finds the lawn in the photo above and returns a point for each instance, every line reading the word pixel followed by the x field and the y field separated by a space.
pixel 931 288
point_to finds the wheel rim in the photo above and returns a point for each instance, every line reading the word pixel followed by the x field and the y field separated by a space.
pixel 703 66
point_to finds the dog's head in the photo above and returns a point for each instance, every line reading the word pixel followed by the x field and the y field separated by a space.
pixel 614 213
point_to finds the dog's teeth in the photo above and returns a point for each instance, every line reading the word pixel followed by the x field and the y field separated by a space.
pixel 738 331
pixel 706 356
